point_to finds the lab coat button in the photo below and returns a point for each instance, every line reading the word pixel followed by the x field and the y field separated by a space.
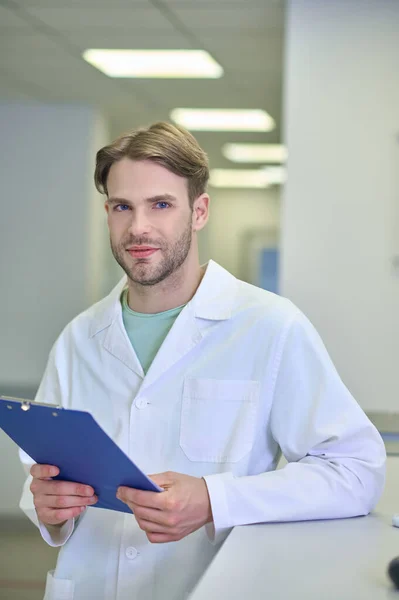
pixel 141 402
pixel 131 553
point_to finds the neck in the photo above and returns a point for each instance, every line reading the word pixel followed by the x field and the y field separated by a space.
pixel 176 290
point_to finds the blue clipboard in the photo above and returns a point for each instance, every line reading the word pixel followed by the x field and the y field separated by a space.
pixel 75 443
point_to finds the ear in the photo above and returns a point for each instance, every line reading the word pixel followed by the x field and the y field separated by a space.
pixel 106 206
pixel 200 212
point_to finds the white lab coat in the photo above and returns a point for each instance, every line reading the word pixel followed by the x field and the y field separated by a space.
pixel 241 375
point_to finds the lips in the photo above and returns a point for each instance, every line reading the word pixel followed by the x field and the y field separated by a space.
pixel 142 251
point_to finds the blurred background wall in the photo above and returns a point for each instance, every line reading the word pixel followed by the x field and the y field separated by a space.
pixel 238 217
pixel 340 224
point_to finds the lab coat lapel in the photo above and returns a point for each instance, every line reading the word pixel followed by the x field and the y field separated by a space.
pixel 117 343
pixel 108 316
pixel 212 303
pixel 181 339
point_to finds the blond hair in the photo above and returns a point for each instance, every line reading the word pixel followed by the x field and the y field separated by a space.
pixel 171 146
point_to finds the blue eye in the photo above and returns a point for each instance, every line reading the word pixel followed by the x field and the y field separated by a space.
pixel 121 207
pixel 162 205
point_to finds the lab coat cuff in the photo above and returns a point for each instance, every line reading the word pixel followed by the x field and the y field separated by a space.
pixel 57 536
pixel 218 530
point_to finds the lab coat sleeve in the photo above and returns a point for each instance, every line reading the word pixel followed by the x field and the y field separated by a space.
pixel 49 392
pixel 336 457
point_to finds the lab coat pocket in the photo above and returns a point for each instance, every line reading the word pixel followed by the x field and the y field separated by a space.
pixel 58 589
pixel 218 419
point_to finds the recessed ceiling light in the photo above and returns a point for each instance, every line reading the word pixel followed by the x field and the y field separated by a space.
pixel 169 64
pixel 264 153
pixel 223 119
pixel 247 178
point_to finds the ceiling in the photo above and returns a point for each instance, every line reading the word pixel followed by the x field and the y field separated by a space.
pixel 41 42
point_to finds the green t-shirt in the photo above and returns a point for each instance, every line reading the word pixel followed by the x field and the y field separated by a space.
pixel 147 332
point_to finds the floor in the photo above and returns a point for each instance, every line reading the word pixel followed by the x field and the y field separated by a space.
pixel 25 558
pixel 24 561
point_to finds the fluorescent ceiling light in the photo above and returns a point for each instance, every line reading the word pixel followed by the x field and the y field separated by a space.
pixel 275 175
pixel 264 153
pixel 247 178
pixel 190 64
pixel 238 178
pixel 222 119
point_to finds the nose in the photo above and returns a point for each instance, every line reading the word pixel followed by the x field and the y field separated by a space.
pixel 139 224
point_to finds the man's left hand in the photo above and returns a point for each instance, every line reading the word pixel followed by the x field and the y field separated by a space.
pixel 171 515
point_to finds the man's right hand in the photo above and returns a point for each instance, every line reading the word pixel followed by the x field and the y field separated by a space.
pixel 58 501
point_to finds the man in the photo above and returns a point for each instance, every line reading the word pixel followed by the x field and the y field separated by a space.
pixel 203 381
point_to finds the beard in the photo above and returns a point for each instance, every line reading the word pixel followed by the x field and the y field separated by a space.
pixel 143 272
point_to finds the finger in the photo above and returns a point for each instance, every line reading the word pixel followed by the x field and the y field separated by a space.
pixel 162 538
pixel 141 498
pixel 60 488
pixel 150 527
pixel 155 516
pixel 43 501
pixel 56 516
pixel 164 480
pixel 44 471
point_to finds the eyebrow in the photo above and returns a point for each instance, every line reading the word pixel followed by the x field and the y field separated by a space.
pixel 150 200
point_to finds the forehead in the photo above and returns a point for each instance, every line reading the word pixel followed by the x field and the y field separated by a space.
pixel 135 180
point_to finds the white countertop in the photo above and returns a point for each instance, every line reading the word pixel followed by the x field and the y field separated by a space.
pixel 316 560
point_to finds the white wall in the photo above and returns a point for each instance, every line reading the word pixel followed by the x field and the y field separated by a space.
pixel 340 221
pixel 102 270
pixel 46 238
pixel 52 245
pixel 235 217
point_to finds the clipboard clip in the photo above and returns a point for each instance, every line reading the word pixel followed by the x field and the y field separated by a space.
pixel 26 404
